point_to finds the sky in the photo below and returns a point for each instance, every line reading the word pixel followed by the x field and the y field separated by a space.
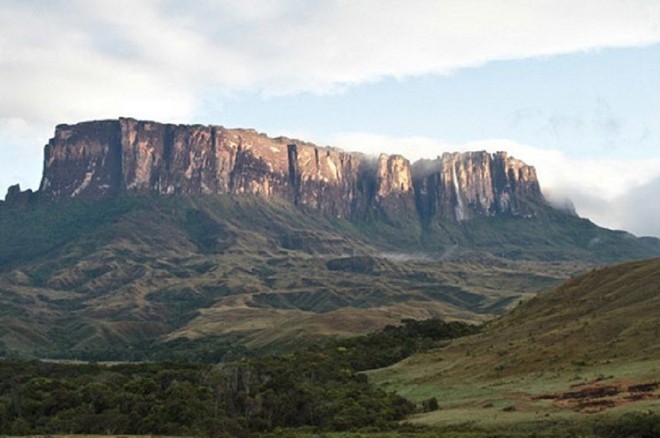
pixel 572 88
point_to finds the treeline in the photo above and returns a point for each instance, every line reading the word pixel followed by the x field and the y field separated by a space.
pixel 374 350
pixel 181 350
pixel 320 388
pixel 395 343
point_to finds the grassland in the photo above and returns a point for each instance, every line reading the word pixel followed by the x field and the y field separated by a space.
pixel 587 352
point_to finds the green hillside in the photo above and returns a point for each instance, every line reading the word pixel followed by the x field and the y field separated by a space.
pixel 79 278
pixel 587 351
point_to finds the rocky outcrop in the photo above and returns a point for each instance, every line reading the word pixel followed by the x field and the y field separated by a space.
pixel 108 158
pixel 17 198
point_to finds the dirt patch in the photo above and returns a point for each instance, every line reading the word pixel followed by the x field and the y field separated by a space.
pixel 591 392
pixel 591 406
pixel 644 387
pixel 594 397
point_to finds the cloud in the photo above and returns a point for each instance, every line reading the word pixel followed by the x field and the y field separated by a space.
pixel 618 194
pixel 639 208
pixel 68 60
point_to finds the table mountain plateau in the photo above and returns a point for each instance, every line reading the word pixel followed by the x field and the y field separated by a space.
pixel 143 232
pixel 102 159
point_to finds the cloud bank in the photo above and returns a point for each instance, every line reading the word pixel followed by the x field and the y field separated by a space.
pixel 67 60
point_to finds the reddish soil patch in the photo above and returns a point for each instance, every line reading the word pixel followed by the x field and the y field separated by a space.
pixel 592 397
pixel 644 387
pixel 591 406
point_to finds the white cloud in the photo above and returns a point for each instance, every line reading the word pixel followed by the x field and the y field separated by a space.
pixel 65 61
pixel 639 209
pixel 618 194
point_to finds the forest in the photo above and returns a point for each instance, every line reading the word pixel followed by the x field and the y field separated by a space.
pixel 320 388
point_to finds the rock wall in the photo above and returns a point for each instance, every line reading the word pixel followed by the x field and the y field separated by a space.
pixel 462 186
pixel 127 157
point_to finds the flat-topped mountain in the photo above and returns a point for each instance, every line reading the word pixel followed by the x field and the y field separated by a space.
pixel 102 159
pixel 144 233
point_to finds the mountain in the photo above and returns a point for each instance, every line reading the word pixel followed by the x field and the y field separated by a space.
pixel 591 345
pixel 143 231
pixel 103 159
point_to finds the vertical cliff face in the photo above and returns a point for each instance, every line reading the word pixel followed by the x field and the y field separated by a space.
pixel 83 160
pixel 170 159
pixel 324 179
pixel 462 186
pixel 108 158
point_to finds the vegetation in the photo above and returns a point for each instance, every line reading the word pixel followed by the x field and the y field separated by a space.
pixel 586 352
pixel 110 280
pixel 152 279
pixel 632 425
pixel 395 343
pixel 319 388
pixel 113 279
pixel 180 350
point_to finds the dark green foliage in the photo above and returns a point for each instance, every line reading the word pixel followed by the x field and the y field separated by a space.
pixel 320 388
pixel 209 236
pixel 168 399
pixel 309 388
pixel 430 405
pixel 39 231
pixel 43 398
pixel 180 350
pixel 633 425
pixel 392 344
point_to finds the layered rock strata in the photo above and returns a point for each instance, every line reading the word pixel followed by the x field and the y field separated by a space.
pixel 101 159
pixel 462 186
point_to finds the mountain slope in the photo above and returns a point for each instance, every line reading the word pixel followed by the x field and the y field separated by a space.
pixel 106 158
pixel 590 345
pixel 79 275
pixel 143 231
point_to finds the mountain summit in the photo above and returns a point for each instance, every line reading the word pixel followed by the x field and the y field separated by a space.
pixel 102 159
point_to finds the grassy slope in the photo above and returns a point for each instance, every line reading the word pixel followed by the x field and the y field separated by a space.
pixel 599 329
pixel 79 274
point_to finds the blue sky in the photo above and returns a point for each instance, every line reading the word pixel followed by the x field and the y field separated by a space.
pixel 604 102
pixel 570 87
